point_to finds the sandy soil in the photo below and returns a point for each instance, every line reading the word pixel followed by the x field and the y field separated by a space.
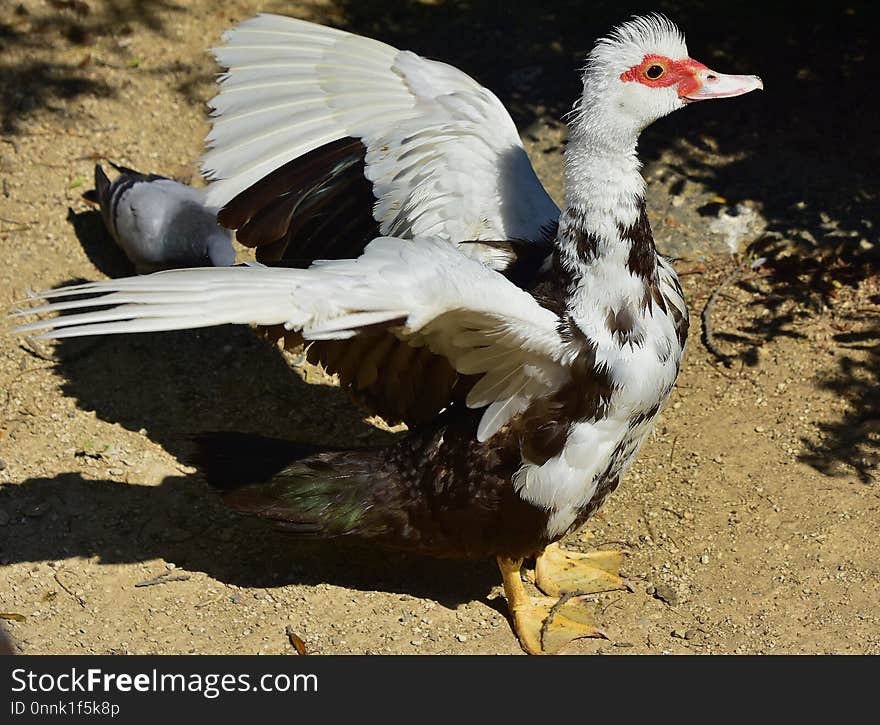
pixel 749 519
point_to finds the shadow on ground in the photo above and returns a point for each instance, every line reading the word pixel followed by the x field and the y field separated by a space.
pixel 175 385
pixel 30 84
pixel 180 521
pixel 98 245
pixel 854 440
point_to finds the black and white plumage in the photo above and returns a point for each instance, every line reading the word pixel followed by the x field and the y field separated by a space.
pixel 563 333
pixel 160 223
pixel 441 152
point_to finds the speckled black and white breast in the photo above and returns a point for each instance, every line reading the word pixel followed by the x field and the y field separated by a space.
pixel 625 322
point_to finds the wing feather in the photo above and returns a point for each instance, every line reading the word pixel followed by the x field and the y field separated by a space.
pixel 442 153
pixel 425 291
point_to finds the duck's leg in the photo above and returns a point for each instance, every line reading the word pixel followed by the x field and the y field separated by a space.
pixel 558 571
pixel 541 625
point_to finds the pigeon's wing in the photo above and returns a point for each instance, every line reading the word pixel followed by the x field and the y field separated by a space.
pixel 426 293
pixel 322 140
pixel 133 173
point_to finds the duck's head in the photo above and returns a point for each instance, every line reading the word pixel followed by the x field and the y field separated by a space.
pixel 642 72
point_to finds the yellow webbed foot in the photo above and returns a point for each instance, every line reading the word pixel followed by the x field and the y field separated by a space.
pixel 558 571
pixel 544 625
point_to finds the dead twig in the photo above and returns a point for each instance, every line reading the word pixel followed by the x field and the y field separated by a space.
pixel 164 578
pixel 207 602
pixel 39 351
pixel 82 602
pixel 708 337
pixel 32 347
pixel 609 605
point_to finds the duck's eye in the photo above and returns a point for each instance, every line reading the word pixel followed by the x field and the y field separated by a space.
pixel 654 71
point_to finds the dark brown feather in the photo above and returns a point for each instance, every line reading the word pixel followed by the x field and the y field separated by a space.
pixel 317 206
pixel 642 259
pixel 300 176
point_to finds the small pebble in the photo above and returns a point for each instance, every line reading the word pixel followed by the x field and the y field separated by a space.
pixel 37 511
pixel 666 593
pixel 704 559
pixel 461 637
pixel 415 642
pixel 2 465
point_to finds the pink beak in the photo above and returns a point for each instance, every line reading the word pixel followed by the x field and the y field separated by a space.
pixel 710 84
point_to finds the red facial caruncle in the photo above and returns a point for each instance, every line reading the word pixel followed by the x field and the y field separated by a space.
pixel 695 81
pixel 657 71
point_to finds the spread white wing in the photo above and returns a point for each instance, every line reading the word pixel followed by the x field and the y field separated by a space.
pixel 426 293
pixel 442 153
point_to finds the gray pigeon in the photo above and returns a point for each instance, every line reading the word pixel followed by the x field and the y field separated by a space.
pixel 160 223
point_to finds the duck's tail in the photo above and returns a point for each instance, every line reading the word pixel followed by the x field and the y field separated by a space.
pixel 312 492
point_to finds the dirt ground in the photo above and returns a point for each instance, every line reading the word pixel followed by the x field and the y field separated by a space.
pixel 749 519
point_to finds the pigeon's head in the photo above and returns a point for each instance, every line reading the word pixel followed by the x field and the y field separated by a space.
pixel 642 72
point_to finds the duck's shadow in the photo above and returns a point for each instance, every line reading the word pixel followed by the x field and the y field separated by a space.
pixel 180 521
pixel 170 387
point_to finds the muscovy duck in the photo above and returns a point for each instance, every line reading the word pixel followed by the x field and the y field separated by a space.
pixel 538 346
